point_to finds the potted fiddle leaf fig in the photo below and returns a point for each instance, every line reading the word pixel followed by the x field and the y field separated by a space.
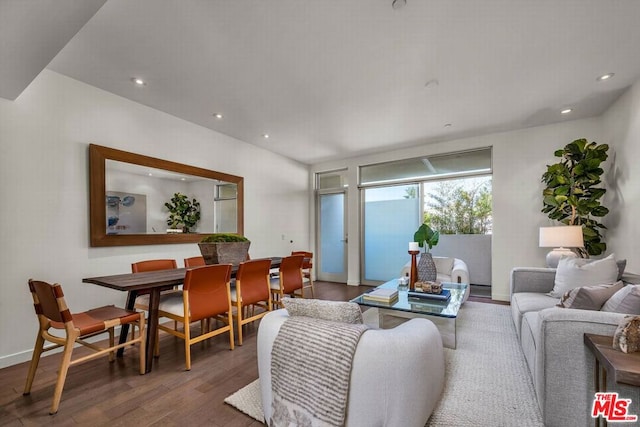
pixel 426 238
pixel 183 213
pixel 224 248
pixel 573 192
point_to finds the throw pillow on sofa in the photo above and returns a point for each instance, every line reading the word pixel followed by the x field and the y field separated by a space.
pixel 589 297
pixel 444 265
pixel 575 272
pixel 626 301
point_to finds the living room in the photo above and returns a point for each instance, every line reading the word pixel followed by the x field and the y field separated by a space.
pixel 46 128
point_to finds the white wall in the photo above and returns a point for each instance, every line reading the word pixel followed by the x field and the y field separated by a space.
pixel 621 125
pixel 519 160
pixel 44 135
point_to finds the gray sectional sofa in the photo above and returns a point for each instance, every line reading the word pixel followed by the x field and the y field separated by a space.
pixel 552 341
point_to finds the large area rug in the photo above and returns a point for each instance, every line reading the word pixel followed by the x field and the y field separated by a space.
pixel 487 381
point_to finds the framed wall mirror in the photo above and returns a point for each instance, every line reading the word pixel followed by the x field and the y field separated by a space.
pixel 128 193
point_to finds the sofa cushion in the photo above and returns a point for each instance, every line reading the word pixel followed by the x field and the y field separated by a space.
pixel 444 265
pixel 337 311
pixel 443 277
pixel 529 339
pixel 524 302
pixel 575 272
pixel 626 300
pixel 589 297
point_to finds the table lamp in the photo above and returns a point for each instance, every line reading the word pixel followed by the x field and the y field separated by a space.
pixel 561 238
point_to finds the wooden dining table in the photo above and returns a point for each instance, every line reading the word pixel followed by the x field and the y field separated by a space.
pixel 154 282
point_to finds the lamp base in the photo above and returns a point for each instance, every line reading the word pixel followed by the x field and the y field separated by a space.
pixel 554 256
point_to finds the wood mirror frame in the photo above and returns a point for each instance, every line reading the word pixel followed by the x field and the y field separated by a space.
pixel 97 197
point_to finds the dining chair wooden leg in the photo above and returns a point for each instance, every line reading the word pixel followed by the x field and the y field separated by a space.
pixel 278 299
pixel 62 373
pixel 230 323
pixel 239 316
pixel 33 366
pixel 187 345
pixel 311 288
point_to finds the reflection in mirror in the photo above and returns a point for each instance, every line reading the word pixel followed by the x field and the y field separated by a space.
pixel 226 207
pixel 129 193
pixel 136 197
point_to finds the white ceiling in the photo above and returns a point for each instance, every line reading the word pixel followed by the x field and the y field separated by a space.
pixel 333 78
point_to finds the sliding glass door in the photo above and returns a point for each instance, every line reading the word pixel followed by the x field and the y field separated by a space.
pixel 391 217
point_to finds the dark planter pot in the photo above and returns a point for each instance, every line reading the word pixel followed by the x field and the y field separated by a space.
pixel 224 252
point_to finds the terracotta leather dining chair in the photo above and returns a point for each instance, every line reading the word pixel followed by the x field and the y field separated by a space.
pixel 142 300
pixel 53 314
pixel 153 265
pixel 289 280
pixel 307 267
pixel 194 261
pixel 252 290
pixel 206 294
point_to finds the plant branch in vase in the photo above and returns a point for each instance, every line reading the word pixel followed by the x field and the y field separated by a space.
pixel 427 238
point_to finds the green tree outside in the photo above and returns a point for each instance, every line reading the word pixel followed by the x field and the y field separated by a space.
pixel 460 207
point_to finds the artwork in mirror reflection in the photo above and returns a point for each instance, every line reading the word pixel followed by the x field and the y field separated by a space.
pixel 136 197
pixel 126 213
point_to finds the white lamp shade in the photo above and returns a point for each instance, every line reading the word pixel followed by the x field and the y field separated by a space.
pixel 567 236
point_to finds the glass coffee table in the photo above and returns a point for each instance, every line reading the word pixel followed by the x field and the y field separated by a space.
pixel 442 313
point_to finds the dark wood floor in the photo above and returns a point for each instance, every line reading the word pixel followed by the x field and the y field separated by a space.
pixel 101 393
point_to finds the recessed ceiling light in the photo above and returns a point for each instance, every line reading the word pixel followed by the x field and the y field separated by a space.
pixel 138 81
pixel 218 116
pixel 150 174
pixel 605 77
pixel 265 135
pixel 183 179
pixel 566 111
pixel 431 83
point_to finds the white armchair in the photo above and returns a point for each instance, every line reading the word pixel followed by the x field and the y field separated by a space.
pixel 449 270
pixel 405 365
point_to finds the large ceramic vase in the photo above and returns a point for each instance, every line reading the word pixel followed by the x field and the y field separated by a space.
pixel 427 268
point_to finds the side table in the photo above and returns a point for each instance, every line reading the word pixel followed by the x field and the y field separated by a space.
pixel 624 368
